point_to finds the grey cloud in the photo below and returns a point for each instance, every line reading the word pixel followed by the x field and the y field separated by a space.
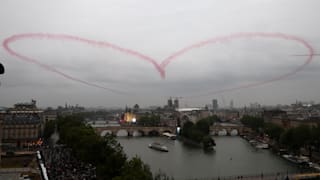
pixel 157 29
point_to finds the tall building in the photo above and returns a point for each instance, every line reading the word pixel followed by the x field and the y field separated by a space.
pixel 136 108
pixel 170 104
pixel 231 104
pixel 215 104
pixel 176 103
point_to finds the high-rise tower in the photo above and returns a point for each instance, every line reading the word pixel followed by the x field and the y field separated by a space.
pixel 176 103
pixel 231 104
pixel 170 104
pixel 215 104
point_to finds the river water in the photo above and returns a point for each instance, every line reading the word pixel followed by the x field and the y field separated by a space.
pixel 233 156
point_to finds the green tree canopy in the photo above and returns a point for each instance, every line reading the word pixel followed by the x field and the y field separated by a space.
pixel 49 129
pixel 149 120
pixel 254 123
pixel 295 138
pixel 103 152
pixel 274 131
pixel 198 132
pixel 135 169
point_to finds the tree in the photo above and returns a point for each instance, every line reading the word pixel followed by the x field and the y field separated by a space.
pixel 112 160
pixel 315 136
pixel 203 126
pixel 302 135
pixel 254 123
pixel 135 169
pixel 208 142
pixel 103 152
pixel 49 129
pixel 297 137
pixel 186 129
pixel 274 131
pixel 149 120
pixel 162 176
pixel 212 119
pixel 199 132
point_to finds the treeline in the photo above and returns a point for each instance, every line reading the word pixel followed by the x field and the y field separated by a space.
pixel 254 123
pixel 301 136
pixel 295 138
pixel 149 120
pixel 105 153
pixel 200 131
pixel 260 127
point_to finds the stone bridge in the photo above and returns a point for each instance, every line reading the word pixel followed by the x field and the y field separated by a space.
pixel 133 130
pixel 228 129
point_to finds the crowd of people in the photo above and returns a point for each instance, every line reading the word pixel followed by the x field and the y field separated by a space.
pixel 61 164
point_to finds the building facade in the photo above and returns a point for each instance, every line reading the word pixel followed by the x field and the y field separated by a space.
pixel 22 126
pixel 192 114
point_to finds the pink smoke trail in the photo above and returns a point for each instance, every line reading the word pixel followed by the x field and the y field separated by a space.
pixel 18 37
pixel 222 39
pixel 159 67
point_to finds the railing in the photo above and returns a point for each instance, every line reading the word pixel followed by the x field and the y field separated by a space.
pixel 18 170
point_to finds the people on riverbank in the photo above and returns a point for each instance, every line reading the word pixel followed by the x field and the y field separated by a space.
pixel 61 164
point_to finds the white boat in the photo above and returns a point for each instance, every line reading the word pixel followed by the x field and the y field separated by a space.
pixel 314 166
pixel 253 142
pixel 170 136
pixel 262 146
pixel 290 158
pixel 296 159
pixel 158 146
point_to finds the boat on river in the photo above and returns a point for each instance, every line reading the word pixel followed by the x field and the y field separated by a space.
pixel 259 144
pixel 296 159
pixel 262 146
pixel 170 136
pixel 158 146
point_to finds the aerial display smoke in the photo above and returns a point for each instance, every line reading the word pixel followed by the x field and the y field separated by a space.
pixel 159 67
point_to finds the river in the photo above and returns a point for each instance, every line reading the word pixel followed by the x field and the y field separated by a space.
pixel 233 156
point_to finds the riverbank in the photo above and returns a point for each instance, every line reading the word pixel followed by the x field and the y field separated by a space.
pixel 303 162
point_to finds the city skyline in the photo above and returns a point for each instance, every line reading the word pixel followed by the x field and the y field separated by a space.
pixel 220 105
pixel 158 30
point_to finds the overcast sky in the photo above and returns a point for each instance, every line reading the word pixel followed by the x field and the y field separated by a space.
pixel 158 29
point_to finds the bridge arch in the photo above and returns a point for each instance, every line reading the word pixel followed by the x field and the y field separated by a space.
pixel 222 132
pixel 213 133
pixel 153 133
pixel 234 132
pixel 223 129
pixel 105 132
pixel 122 133
pixel 137 133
